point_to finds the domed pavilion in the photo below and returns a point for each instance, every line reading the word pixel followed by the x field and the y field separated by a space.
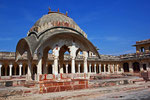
pixel 57 32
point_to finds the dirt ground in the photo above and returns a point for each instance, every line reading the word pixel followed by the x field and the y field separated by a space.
pixel 138 91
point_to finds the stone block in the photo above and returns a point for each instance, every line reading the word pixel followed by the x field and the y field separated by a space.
pixel 53 89
pixel 65 88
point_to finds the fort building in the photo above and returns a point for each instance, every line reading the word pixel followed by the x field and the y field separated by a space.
pixel 56 48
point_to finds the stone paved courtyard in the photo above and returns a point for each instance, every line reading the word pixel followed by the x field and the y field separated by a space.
pixel 137 91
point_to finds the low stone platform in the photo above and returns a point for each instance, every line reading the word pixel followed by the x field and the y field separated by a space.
pixel 114 81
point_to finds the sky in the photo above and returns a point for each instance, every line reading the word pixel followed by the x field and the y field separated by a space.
pixel 111 25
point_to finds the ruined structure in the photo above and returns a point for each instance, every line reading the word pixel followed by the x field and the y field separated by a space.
pixel 57 50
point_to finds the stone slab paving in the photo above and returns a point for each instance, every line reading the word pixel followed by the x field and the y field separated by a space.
pixel 127 92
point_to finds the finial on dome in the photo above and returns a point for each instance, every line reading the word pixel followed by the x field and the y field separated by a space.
pixel 58 10
pixel 49 10
pixel 66 13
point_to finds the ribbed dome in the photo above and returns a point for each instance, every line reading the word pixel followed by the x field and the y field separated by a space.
pixel 55 19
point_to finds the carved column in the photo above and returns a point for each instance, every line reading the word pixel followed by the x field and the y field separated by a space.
pixel 113 68
pixel 99 68
pixel 85 56
pixel 95 68
pixel 56 55
pixel 73 50
pixel 117 68
pixel 0 70
pixel 10 69
pixel 53 69
pixel 20 69
pixel 66 68
pixel 130 67
pixel 61 68
pixel 109 68
pixel 104 69
pixel 90 68
pixel 39 67
pixel 79 68
pixel 29 70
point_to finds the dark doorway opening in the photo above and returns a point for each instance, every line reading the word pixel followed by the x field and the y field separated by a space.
pixel 126 67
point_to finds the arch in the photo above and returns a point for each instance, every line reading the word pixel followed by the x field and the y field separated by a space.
pixel 17 69
pixel 144 67
pixel 136 67
pixel 50 69
pixel 34 69
pixel 126 67
pixel 102 68
pixel 106 68
pixel 3 70
pixel 66 38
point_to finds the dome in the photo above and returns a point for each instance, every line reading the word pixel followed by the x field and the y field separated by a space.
pixel 55 19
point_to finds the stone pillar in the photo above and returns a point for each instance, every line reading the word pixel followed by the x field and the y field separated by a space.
pixel 117 68
pixel 130 67
pixel 73 65
pixel 109 68
pixel 147 66
pixel 53 69
pixel 79 68
pixel 99 68
pixel 10 69
pixel 61 68
pixel 20 69
pixel 29 70
pixel 73 50
pixel 44 67
pixel 141 66
pixel 56 55
pixel 39 66
pixel 66 68
pixel 85 55
pixel 104 68
pixel 95 68
pixel 113 68
pixel 89 68
pixel 55 65
pixel 0 70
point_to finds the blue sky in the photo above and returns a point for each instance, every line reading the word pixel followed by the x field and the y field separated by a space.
pixel 111 25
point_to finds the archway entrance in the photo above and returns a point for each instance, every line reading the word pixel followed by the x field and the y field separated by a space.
pixel 136 67
pixel 126 67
